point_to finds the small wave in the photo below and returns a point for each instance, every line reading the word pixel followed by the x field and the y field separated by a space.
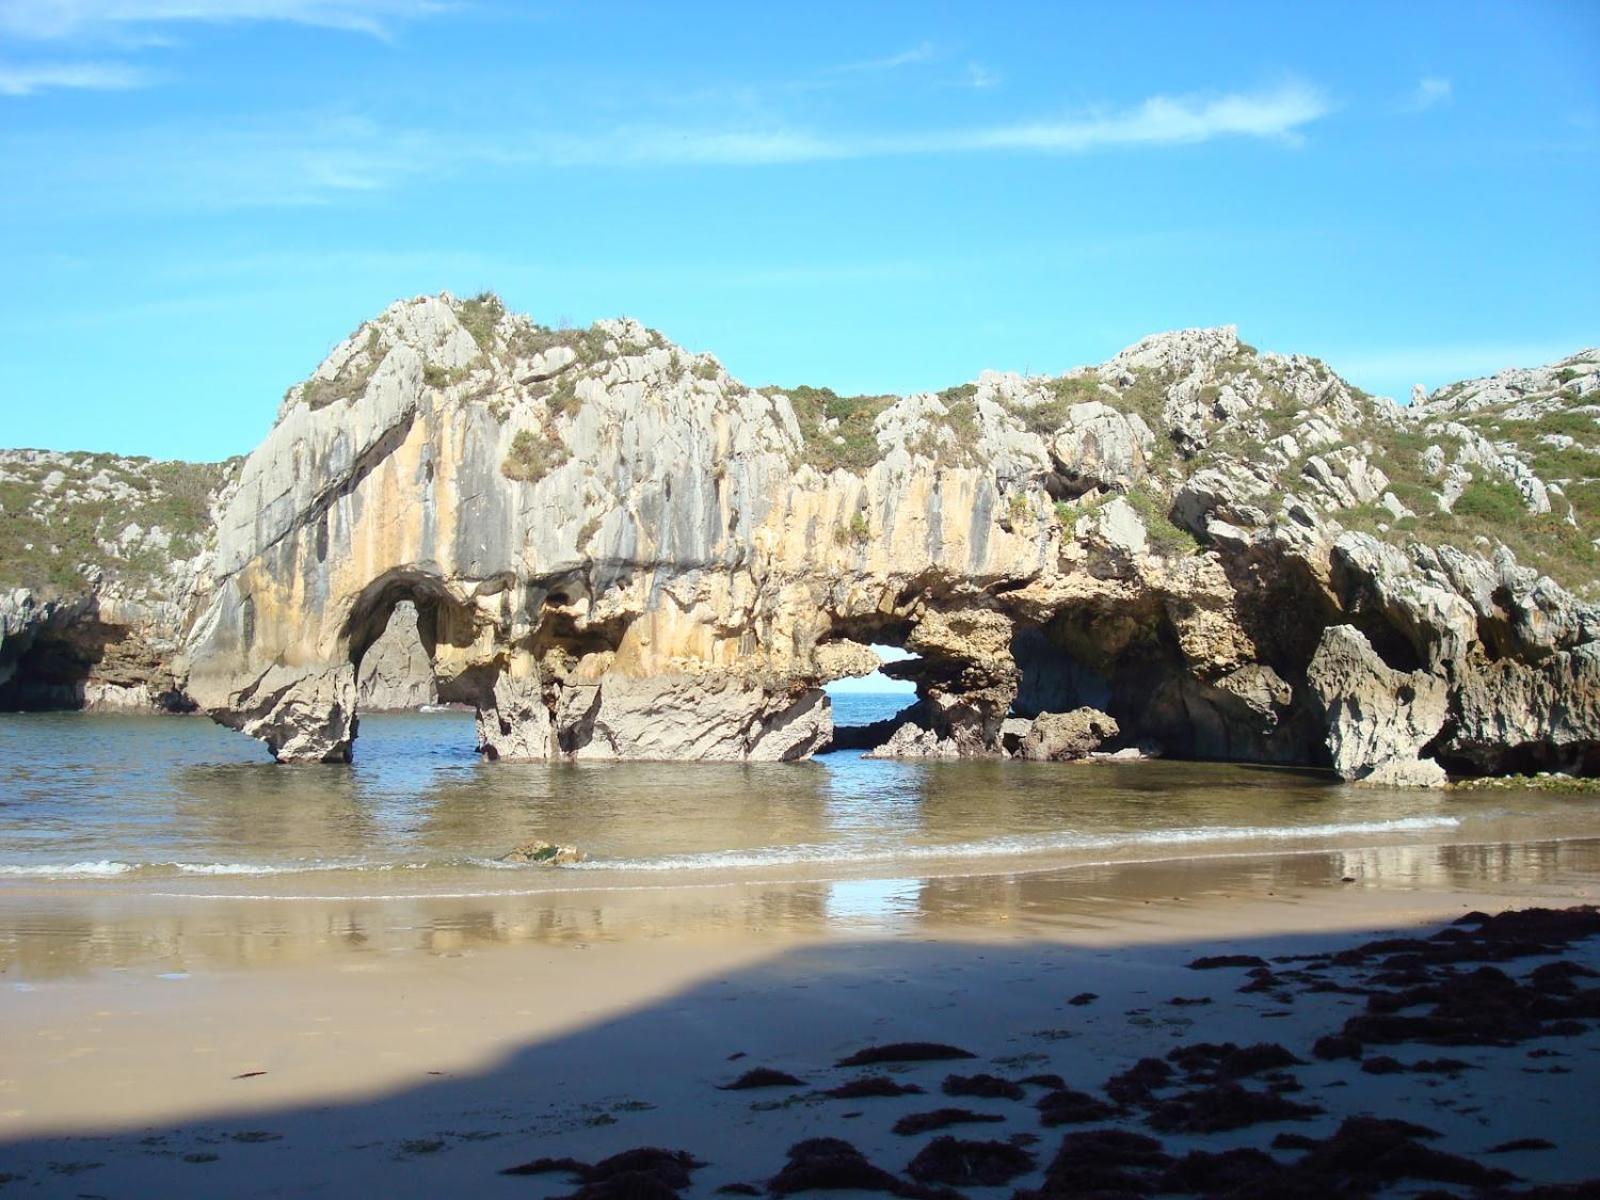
pixel 300 868
pixel 101 867
pixel 238 869
pixel 106 868
pixel 1045 843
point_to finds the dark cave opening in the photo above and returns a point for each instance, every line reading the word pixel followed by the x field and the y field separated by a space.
pixel 85 664
pixel 394 633
pixel 45 674
pixel 1576 759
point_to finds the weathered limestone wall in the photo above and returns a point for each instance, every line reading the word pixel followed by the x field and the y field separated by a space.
pixel 612 549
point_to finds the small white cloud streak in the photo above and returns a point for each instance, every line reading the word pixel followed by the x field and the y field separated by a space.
pixel 318 161
pixel 920 53
pixel 1430 93
pixel 1161 120
pixel 52 20
pixel 979 76
pixel 29 78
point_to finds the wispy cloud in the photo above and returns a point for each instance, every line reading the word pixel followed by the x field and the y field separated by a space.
pixel 979 76
pixel 920 53
pixel 300 160
pixel 24 79
pixel 1430 92
pixel 1278 115
pixel 305 161
pixel 50 20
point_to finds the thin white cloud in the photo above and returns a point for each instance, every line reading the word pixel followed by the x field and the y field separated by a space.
pixel 979 76
pixel 300 160
pixel 24 79
pixel 1429 93
pixel 49 20
pixel 1278 115
pixel 310 161
pixel 920 53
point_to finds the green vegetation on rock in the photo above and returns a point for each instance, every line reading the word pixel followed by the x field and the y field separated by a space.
pixel 1167 537
pixel 533 456
pixel 352 378
pixel 479 316
pixel 852 443
pixel 88 517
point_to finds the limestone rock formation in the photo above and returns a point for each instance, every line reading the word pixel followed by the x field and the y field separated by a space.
pixel 396 672
pixel 613 549
pixel 913 741
pixel 1378 719
pixel 1055 737
pixel 101 560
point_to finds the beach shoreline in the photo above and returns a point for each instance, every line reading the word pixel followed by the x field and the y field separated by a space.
pixel 429 1057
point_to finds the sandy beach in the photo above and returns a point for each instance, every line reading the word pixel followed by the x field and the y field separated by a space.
pixel 422 1066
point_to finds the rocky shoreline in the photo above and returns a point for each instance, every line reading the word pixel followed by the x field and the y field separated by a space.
pixel 610 548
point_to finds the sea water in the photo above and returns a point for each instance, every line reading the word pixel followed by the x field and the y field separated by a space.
pixel 165 800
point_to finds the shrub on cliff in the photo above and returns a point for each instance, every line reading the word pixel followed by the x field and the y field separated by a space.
pixel 532 456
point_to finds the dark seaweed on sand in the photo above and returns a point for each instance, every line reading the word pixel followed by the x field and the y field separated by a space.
pixel 940 1118
pixel 833 1164
pixel 644 1173
pixel 987 1087
pixel 761 1077
pixel 964 1163
pixel 896 1052
pixel 871 1086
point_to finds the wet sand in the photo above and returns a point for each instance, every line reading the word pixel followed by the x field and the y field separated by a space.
pixel 291 1047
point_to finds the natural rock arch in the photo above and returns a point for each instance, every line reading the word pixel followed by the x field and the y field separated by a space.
pixel 633 555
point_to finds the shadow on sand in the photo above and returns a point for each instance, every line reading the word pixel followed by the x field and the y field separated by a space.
pixel 655 1076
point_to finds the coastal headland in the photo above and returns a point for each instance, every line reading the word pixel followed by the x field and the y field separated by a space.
pixel 609 548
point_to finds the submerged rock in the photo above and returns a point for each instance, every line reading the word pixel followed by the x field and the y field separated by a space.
pixel 544 853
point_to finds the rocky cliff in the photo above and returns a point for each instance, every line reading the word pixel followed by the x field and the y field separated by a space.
pixel 102 560
pixel 614 549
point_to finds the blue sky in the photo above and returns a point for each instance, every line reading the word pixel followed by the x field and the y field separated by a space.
pixel 201 197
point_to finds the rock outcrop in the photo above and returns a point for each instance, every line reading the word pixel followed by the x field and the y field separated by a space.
pixel 396 672
pixel 101 567
pixel 1056 737
pixel 612 549
pixel 1378 719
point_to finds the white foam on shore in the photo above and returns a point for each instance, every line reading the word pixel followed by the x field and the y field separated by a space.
pixel 83 870
pixel 106 868
pixel 781 856
pixel 1043 843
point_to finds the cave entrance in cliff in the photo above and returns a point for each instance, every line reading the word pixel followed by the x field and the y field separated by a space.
pixel 395 673
pixel 1118 657
pixel 89 664
pixel 42 674
pixel 867 709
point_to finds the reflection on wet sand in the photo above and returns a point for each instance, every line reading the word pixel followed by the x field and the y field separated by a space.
pixel 74 933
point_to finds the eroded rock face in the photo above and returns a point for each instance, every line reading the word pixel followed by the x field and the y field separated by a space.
pixel 396 672
pixel 1510 717
pixel 1056 737
pixel 1100 447
pixel 612 549
pixel 1378 719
